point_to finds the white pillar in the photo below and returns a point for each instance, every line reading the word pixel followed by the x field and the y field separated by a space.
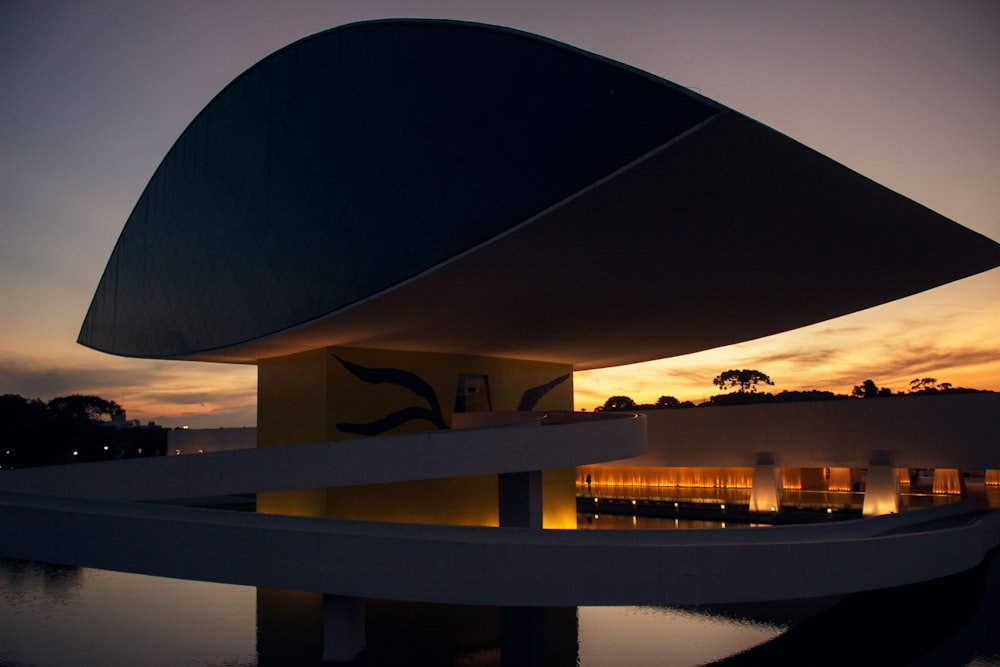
pixel 881 488
pixel 765 490
pixel 343 628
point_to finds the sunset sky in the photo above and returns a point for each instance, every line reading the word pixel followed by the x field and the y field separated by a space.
pixel 93 95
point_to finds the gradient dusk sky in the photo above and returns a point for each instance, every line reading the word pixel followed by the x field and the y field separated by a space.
pixel 93 95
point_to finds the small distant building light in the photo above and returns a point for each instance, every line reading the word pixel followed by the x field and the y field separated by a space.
pixel 76 453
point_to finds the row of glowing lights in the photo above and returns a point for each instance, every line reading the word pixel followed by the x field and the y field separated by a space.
pixel 76 452
pixel 944 489
pixel 676 485
pixel 677 522
pixel 722 506
pixel 713 478
pixel 731 480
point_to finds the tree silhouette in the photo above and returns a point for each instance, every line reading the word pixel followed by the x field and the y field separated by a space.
pixel 78 406
pixel 744 381
pixel 868 389
pixel 69 429
pixel 619 403
pixel 667 402
pixel 925 385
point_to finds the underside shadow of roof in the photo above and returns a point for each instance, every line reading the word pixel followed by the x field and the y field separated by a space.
pixel 444 186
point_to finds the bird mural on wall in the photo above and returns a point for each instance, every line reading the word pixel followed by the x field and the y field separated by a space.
pixel 531 396
pixel 404 379
pixel 423 389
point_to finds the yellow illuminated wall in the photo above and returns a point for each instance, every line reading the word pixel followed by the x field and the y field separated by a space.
pixel 291 408
pixel 344 393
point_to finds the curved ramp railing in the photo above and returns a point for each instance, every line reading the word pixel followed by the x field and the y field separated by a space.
pixel 460 564
pixel 567 439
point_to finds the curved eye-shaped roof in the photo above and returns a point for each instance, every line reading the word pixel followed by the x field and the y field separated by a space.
pixel 443 185
pixel 357 159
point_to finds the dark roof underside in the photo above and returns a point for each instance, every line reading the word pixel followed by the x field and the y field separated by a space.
pixel 462 188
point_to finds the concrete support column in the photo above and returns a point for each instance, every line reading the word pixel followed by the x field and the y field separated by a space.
pixel 765 490
pixel 539 637
pixel 881 488
pixel 520 499
pixel 522 636
pixel 343 628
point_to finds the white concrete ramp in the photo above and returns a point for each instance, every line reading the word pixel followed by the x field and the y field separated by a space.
pixel 499 566
pixel 87 515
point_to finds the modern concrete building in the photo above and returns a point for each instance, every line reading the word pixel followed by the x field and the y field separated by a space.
pixel 415 226
pixel 402 220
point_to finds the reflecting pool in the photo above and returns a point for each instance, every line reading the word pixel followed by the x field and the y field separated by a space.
pixel 57 616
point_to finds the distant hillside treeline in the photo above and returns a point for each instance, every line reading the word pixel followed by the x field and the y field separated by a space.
pixel 867 389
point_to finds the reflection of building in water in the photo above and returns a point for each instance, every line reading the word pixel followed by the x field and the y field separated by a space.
pixel 399 233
